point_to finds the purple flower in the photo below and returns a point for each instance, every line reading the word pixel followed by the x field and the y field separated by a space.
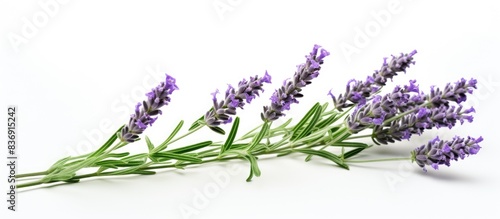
pixel 438 152
pixel 360 91
pixel 290 91
pixel 245 93
pixel 453 92
pixel 418 121
pixel 407 111
pixel 145 113
pixel 384 107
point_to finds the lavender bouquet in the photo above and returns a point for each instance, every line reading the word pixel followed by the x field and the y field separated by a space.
pixel 338 133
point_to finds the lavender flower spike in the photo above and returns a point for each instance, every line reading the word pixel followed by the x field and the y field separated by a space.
pixel 438 152
pixel 419 111
pixel 145 112
pixel 359 91
pixel 290 91
pixel 453 92
pixel 246 92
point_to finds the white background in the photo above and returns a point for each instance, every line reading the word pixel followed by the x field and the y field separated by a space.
pixel 84 64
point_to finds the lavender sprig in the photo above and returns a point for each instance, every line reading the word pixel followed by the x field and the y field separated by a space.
pixel 453 92
pixel 407 111
pixel 145 113
pixel 290 91
pixel 246 92
pixel 358 92
pixel 417 122
pixel 438 152
pixel 392 117
pixel 385 107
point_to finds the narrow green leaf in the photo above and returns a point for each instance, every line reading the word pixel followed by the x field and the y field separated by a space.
pixel 315 117
pixel 72 181
pixel 284 153
pixel 180 167
pixel 150 145
pixel 325 154
pixel 338 134
pixel 126 171
pixel 103 168
pixel 240 146
pixel 328 121
pixel 284 125
pixel 254 167
pixel 250 176
pixel 196 123
pixel 334 129
pixel 58 164
pixel 135 157
pixel 107 166
pixel 190 148
pixel 351 144
pixel 257 138
pixel 231 136
pixel 323 107
pixel 182 157
pixel 118 155
pixel 58 177
pixel 132 163
pixel 108 143
pixel 217 130
pixel 353 152
pixel 306 117
pixel 170 137
pixel 343 137
pixel 110 162
pixel 144 172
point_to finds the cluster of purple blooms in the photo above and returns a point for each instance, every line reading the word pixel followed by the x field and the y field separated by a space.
pixel 290 91
pixel 246 92
pixel 280 100
pixel 407 111
pixel 438 152
pixel 146 111
pixel 357 92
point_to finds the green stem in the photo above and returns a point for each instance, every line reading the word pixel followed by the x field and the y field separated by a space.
pixel 359 136
pixel 177 139
pixel 406 113
pixel 245 136
pixel 378 160
pixel 31 174
pixel 34 183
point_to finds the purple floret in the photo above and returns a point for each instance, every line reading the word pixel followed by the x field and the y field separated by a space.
pixel 235 98
pixel 438 152
pixel 358 92
pixel 290 91
pixel 146 112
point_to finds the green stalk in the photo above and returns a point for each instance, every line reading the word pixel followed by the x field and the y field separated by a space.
pixel 378 160
pixel 18 176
